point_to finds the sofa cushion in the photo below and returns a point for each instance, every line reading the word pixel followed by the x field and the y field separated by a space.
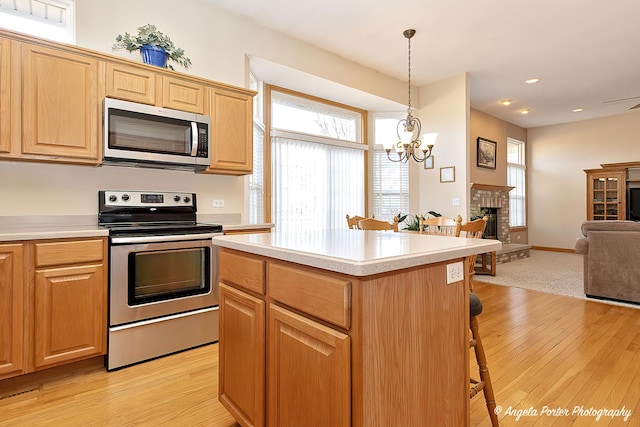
pixel 617 225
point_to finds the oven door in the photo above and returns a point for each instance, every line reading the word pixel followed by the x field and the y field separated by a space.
pixel 153 276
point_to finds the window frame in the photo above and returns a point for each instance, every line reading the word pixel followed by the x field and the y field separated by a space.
pixel 522 167
pixel 268 174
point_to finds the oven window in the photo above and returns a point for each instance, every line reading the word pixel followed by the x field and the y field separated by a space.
pixel 168 274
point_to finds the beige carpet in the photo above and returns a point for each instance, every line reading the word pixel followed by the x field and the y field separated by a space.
pixel 552 272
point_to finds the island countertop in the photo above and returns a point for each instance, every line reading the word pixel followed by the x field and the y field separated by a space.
pixel 357 252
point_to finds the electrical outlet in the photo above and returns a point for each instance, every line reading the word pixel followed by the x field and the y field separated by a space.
pixel 455 201
pixel 218 203
pixel 455 272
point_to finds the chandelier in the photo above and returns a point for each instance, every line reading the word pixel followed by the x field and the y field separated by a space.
pixel 408 130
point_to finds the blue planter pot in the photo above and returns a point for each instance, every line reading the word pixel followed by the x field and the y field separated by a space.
pixel 154 55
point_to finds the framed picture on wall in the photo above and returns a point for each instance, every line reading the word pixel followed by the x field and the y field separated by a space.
pixel 448 174
pixel 428 164
pixel 486 153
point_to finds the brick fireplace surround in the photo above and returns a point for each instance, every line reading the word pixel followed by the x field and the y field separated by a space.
pixel 494 196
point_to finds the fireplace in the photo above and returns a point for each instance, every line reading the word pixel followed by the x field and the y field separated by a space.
pixel 493 201
pixel 491 230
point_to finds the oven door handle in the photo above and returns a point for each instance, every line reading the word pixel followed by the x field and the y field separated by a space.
pixel 165 238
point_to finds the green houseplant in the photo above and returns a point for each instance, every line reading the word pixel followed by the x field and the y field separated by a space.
pixel 150 41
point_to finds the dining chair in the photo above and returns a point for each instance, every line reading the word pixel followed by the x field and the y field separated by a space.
pixel 352 221
pixel 440 225
pixel 376 224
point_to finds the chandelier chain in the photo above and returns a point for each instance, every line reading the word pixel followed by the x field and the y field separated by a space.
pixel 409 107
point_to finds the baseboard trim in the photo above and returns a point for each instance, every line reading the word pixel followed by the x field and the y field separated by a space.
pixel 549 249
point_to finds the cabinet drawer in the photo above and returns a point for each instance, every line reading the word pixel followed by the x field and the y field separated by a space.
pixel 325 297
pixel 243 271
pixel 69 252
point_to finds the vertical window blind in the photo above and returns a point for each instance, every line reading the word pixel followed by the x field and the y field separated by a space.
pixel 315 185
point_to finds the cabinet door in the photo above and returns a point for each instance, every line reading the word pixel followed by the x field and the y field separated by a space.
pixel 184 95
pixel 5 96
pixel 606 198
pixel 232 132
pixel 60 105
pixel 70 314
pixel 309 372
pixel 11 310
pixel 130 83
pixel 242 356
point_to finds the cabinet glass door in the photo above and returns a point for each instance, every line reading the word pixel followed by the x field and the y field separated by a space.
pixel 605 198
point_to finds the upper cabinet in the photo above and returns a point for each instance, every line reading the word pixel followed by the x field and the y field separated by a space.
pixel 60 104
pixel 130 83
pixel 51 103
pixel 232 133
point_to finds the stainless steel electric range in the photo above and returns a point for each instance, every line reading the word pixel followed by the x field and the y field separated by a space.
pixel 163 285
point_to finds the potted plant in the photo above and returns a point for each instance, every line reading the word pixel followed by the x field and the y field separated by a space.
pixel 155 47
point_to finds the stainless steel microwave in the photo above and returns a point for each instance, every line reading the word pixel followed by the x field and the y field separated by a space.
pixel 147 136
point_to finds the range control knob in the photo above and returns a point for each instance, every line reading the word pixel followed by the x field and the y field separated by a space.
pixel 187 199
pixel 176 199
pixel 113 198
pixel 125 197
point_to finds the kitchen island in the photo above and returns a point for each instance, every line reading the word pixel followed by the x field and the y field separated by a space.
pixel 345 327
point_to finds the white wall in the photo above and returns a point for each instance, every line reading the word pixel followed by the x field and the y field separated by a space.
pixel 218 45
pixel 556 158
pixel 446 111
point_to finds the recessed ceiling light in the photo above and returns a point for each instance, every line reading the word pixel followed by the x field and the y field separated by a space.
pixel 524 111
pixel 505 102
pixel 533 80
pixel 577 110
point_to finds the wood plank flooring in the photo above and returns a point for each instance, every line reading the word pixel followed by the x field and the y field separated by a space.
pixel 543 351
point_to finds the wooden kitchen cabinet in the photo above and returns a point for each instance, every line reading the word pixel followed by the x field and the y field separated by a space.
pixel 242 329
pixel 606 194
pixel 340 349
pixel 60 105
pixel 11 310
pixel 306 359
pixel 182 94
pixel 69 301
pixel 53 303
pixel 135 84
pixel 232 133
pixel 5 96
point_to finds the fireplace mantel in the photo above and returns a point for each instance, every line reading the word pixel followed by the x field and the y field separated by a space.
pixel 491 187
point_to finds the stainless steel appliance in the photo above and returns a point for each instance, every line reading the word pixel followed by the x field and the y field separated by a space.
pixel 163 285
pixel 144 135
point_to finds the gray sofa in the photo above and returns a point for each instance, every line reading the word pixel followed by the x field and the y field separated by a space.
pixel 611 252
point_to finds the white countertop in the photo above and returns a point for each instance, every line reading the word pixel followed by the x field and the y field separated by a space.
pixel 357 252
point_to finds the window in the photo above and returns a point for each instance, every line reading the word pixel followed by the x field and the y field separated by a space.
pixel 256 179
pixel 516 178
pixel 390 179
pixel 50 19
pixel 318 163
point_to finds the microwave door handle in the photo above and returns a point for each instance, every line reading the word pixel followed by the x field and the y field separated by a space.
pixel 194 139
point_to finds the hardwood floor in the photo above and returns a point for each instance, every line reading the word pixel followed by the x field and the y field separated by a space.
pixel 543 350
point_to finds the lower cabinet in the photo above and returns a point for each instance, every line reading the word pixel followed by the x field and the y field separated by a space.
pixel 280 366
pixel 242 330
pixel 58 315
pixel 309 372
pixel 11 310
